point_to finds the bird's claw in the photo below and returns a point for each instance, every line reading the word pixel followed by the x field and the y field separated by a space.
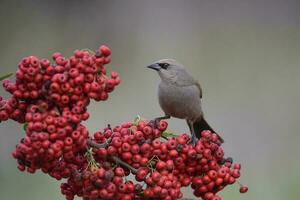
pixel 154 123
pixel 193 140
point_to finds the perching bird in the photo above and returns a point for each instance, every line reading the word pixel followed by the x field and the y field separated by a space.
pixel 180 96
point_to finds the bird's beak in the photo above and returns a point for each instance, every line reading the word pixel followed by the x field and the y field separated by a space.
pixel 154 66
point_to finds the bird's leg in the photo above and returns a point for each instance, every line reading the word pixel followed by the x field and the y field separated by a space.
pixel 193 139
pixel 156 120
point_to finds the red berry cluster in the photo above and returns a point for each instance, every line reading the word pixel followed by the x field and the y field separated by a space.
pixel 104 182
pixel 164 167
pixel 51 100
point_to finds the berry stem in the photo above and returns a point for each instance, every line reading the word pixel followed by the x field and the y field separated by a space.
pixel 91 52
pixel 168 135
pixel 6 76
pixel 124 164
pixel 92 164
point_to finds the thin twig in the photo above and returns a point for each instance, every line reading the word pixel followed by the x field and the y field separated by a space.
pixel 6 76
pixel 124 164
pixel 91 143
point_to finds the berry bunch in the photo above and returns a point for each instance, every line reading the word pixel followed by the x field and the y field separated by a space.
pixel 164 167
pixel 51 100
pixel 104 182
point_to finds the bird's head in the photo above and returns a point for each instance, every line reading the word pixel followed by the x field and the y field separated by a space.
pixel 168 69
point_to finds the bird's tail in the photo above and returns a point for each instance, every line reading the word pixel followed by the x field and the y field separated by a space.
pixel 202 125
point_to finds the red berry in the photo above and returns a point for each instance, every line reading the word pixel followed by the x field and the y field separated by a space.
pixel 105 50
pixel 162 126
pixel 141 174
pixel 243 189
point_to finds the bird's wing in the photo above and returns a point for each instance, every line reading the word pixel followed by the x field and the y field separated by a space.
pixel 200 90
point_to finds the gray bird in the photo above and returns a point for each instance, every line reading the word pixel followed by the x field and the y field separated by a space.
pixel 180 96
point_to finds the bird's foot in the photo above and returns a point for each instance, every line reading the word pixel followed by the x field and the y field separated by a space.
pixel 155 122
pixel 193 140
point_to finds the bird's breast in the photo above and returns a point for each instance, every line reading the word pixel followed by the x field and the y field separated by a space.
pixel 180 101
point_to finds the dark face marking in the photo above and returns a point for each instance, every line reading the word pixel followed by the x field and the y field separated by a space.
pixel 164 65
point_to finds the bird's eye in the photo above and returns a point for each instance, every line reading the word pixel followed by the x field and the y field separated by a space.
pixel 164 65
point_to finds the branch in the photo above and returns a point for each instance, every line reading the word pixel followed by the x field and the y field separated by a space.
pixel 6 76
pixel 124 164
pixel 91 143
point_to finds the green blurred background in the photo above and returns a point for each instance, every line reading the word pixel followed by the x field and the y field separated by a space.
pixel 245 54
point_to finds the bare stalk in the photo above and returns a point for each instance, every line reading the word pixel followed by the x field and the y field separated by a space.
pixel 93 144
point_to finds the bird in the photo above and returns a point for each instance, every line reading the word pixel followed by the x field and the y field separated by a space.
pixel 180 95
